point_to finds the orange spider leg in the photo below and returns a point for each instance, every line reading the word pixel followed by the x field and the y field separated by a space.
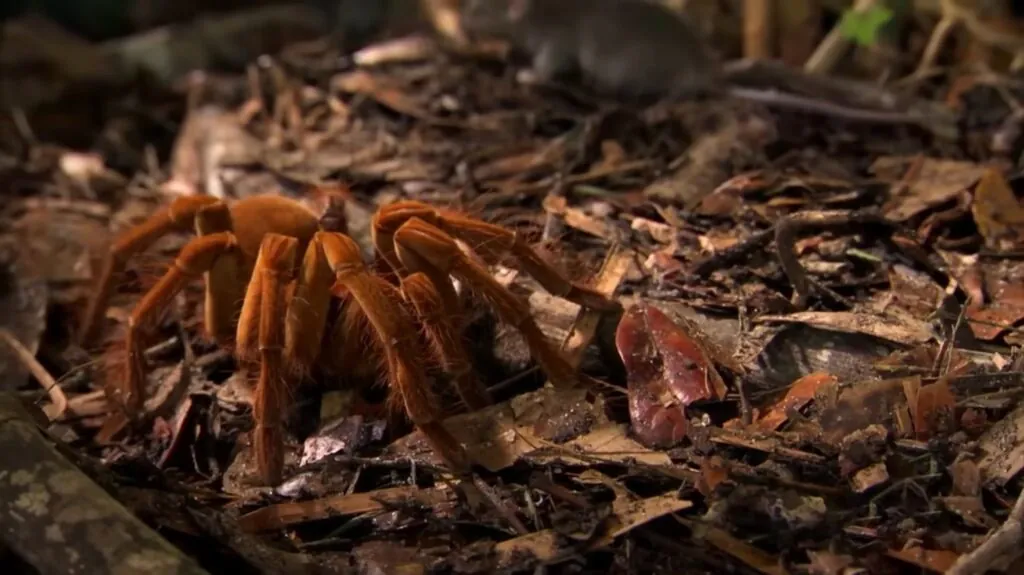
pixel 432 245
pixel 385 309
pixel 178 216
pixel 444 337
pixel 490 241
pixel 262 323
pixel 225 284
pixel 433 297
pixel 306 320
pixel 386 223
pixel 198 256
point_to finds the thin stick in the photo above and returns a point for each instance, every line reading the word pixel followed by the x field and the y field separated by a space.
pixel 59 401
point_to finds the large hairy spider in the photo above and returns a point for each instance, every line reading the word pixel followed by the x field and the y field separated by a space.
pixel 271 269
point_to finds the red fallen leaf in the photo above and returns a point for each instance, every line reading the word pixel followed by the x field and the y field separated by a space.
pixel 655 424
pixel 933 409
pixel 800 394
pixel 713 471
pixel 666 371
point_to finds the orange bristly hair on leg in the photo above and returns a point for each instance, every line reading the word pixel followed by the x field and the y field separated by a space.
pixel 265 306
pixel 113 365
pixel 306 319
pixel 362 354
pixel 444 338
pixel 346 339
pixel 149 268
pixel 385 310
pixel 177 216
pixel 113 368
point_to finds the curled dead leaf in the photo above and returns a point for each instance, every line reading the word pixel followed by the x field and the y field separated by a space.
pixel 996 211
pixel 667 370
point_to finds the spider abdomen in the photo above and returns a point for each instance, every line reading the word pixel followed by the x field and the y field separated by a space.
pixel 254 217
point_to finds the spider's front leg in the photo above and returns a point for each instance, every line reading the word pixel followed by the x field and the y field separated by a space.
pixel 414 237
pixel 446 338
pixel 384 308
pixel 490 241
pixel 201 255
pixel 180 215
pixel 426 245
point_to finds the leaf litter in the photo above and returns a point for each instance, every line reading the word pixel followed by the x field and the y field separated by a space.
pixel 817 367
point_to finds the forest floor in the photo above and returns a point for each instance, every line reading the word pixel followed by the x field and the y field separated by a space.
pixel 816 367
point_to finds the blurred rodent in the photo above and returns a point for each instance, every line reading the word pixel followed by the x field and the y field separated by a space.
pixel 641 48
pixel 623 47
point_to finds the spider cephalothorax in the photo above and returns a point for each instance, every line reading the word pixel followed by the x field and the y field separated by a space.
pixel 271 269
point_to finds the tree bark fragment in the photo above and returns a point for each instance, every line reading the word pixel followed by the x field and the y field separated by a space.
pixel 60 521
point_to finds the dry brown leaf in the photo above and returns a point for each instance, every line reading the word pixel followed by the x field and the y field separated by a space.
pixel 608 443
pixel 827 563
pixel 58 245
pixel 543 545
pixel 911 291
pixel 520 165
pixel 765 443
pixel 971 509
pixel 937 182
pixel 613 272
pixel 285 514
pixel 499 435
pixel 627 515
pixel 612 154
pixel 893 327
pixel 713 472
pixel 966 478
pixel 210 139
pixel 998 214
pixel 727 198
pixel 661 233
pixel 363 82
pixel 860 406
pixel 863 448
pixel 1005 309
pixel 869 478
pixel 578 219
pixel 406 49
